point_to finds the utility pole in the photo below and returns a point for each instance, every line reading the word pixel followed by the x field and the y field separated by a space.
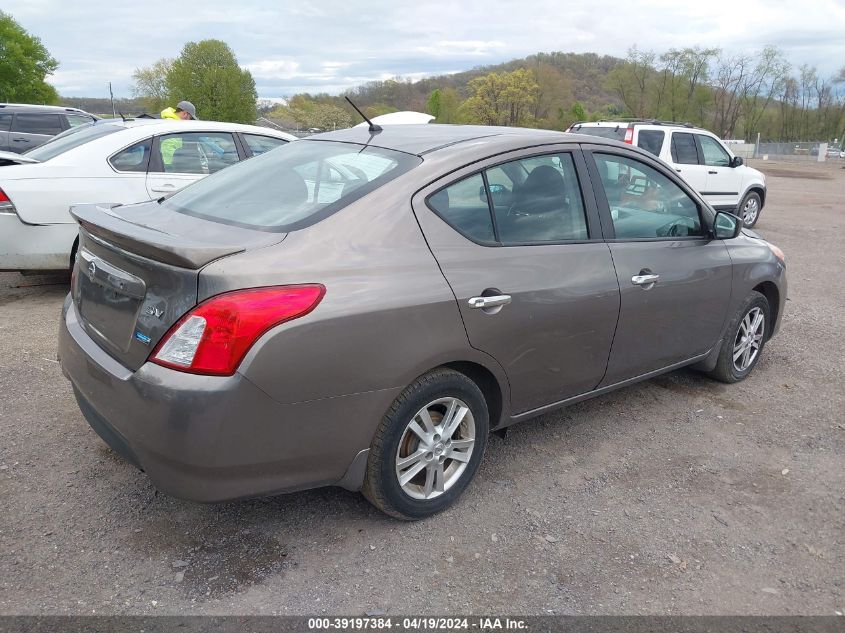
pixel 111 95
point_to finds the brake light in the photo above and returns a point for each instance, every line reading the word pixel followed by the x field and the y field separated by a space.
pixel 214 337
pixel 6 205
pixel 629 136
pixel 3 196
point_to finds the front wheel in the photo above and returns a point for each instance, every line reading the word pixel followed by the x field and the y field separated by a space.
pixel 743 344
pixel 750 209
pixel 428 446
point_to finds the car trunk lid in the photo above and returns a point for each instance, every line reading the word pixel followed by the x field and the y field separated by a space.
pixel 137 269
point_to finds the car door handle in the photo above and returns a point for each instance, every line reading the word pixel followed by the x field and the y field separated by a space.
pixel 713 172
pixel 20 140
pixel 489 302
pixel 644 280
pixel 165 188
pixel 678 170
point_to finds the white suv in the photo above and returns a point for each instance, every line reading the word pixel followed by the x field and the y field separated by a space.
pixel 698 156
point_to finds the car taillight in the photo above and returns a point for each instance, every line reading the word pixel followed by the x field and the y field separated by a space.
pixel 214 337
pixel 5 203
pixel 629 136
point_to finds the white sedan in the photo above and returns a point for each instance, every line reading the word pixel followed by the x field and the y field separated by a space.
pixel 111 161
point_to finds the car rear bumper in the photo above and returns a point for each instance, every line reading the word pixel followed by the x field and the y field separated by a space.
pixel 35 246
pixel 211 438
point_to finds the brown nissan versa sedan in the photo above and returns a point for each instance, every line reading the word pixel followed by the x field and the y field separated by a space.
pixel 362 308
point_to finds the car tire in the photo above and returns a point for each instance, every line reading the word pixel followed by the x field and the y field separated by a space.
pixel 743 344
pixel 750 209
pixel 428 446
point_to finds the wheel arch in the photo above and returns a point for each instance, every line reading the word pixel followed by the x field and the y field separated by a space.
pixel 769 290
pixel 487 382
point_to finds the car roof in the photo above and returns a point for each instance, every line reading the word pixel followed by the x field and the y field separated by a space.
pixel 25 107
pixel 424 139
pixel 169 125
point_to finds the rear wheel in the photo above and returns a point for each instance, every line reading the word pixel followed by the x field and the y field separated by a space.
pixel 743 344
pixel 750 209
pixel 428 446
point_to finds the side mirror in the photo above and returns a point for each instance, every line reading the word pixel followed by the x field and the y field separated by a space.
pixel 726 226
pixel 736 161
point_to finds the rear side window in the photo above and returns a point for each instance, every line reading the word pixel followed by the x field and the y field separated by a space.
pixel 464 207
pixel 259 144
pixel 135 158
pixel 37 124
pixel 75 120
pixel 293 187
pixel 535 200
pixel 651 140
pixel 5 122
pixel 683 149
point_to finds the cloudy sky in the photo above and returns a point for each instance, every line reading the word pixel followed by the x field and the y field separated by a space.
pixel 331 45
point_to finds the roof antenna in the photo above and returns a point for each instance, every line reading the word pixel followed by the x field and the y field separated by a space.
pixel 373 126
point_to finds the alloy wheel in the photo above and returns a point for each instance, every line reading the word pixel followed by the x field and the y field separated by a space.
pixel 749 338
pixel 435 448
pixel 750 211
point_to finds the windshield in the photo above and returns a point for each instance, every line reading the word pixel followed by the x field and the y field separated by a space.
pixel 293 186
pixel 70 139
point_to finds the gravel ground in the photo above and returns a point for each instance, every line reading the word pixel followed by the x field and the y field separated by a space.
pixel 676 496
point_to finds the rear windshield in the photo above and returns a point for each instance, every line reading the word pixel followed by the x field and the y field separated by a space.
pixel 70 139
pixel 617 133
pixel 293 186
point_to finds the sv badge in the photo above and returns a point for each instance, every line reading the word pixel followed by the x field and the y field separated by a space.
pixel 153 311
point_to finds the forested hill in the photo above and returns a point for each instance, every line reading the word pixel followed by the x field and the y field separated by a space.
pixel 566 78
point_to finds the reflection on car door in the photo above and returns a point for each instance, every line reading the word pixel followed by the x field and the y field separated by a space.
pixel 536 287
pixel 675 281
pixel 179 159
pixel 723 181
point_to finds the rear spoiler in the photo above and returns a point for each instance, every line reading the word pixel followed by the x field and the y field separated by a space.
pixel 103 224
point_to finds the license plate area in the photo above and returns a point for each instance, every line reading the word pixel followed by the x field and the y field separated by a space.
pixel 108 300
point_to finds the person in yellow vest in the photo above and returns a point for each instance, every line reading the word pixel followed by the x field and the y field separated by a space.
pixel 184 111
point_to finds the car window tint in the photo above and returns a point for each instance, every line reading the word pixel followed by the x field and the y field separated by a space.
pixel 133 158
pixel 5 122
pixel 197 152
pixel 463 206
pixel 651 140
pixel 714 154
pixel 75 120
pixel 645 204
pixel 293 186
pixel 546 205
pixel 37 124
pixel 683 149
pixel 259 144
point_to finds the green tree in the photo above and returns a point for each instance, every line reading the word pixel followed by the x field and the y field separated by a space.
pixel 444 105
pixel 502 99
pixel 207 74
pixel 326 116
pixel 151 85
pixel 24 65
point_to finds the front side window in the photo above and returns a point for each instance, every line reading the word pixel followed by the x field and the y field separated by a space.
pixel 49 124
pixel 197 152
pixel 135 158
pixel 645 204
pixel 292 187
pixel 529 201
pixel 651 140
pixel 714 154
pixel 683 149
pixel 259 144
